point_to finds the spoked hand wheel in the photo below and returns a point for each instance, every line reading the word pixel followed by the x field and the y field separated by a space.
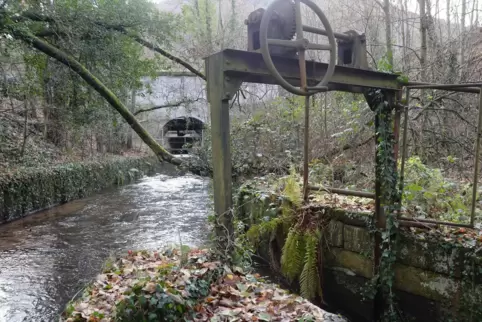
pixel 301 44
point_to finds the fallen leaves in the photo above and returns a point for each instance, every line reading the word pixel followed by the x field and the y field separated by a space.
pixel 233 296
pixel 349 203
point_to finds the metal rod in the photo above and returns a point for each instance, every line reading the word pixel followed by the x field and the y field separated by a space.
pixel 476 167
pixel 466 88
pixel 435 222
pixel 304 84
pixel 464 85
pixel 354 193
pixel 404 145
pixel 323 32
pixel 454 89
pixel 306 149
pixel 396 134
pixel 405 223
pixel 319 47
pixel 299 44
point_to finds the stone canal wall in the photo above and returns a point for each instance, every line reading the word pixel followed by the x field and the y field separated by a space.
pixel 436 278
pixel 27 190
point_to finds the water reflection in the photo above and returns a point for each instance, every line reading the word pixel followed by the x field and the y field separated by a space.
pixel 46 258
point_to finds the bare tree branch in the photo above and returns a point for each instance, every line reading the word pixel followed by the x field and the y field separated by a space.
pixel 155 48
pixel 176 104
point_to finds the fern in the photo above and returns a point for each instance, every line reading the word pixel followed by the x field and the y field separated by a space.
pixel 288 215
pixel 292 255
pixel 309 278
pixel 257 232
pixel 292 190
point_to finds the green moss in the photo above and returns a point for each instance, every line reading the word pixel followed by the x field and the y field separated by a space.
pixel 355 262
pixel 424 283
pixel 31 189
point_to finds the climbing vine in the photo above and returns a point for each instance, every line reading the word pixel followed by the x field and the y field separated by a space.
pixel 387 178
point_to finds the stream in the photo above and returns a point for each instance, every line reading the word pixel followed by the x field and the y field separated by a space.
pixel 46 258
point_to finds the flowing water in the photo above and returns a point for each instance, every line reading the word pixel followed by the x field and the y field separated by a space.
pixel 45 259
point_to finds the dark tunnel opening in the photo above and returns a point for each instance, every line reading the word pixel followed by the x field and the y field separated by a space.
pixel 182 132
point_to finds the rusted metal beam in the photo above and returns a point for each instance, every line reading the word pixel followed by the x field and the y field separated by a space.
pixel 250 67
pixel 362 194
pixel 220 91
pixel 404 145
pixel 464 88
pixel 323 32
pixel 435 222
pixel 408 223
pixel 476 165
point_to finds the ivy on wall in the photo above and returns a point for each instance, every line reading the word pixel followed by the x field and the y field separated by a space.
pixel 32 189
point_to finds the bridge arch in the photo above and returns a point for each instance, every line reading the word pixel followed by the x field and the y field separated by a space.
pixel 179 131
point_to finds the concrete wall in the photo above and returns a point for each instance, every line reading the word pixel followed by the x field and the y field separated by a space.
pixel 435 279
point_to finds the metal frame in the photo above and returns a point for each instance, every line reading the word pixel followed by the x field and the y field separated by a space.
pixel 301 44
pixel 475 88
pixel 228 69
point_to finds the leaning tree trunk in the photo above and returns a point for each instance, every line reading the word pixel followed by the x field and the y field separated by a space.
pixel 96 84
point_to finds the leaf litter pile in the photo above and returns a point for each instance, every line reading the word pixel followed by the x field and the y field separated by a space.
pixel 189 286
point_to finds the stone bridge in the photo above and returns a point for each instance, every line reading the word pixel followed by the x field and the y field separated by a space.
pixel 181 110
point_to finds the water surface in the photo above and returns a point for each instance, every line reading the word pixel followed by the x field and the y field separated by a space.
pixel 45 259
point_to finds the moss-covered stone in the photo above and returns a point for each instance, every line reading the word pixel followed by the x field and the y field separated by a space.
pixel 334 233
pixel 430 256
pixel 349 261
pixel 358 239
pixel 428 284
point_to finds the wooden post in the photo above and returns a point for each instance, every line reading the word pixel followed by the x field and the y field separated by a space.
pixel 220 90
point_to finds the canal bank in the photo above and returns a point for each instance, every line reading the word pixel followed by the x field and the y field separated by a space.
pixel 27 190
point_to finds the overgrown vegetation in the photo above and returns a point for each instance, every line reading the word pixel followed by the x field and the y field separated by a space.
pixel 300 254
pixel 29 189
pixel 429 194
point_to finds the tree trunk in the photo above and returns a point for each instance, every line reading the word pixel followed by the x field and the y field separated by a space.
pixel 129 133
pixel 221 24
pixel 449 29
pixel 423 34
pixel 404 41
pixel 388 31
pixel 96 84
pixel 209 31
pixel 462 38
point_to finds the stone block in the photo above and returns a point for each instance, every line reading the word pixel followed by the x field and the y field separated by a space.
pixel 334 233
pixel 358 239
pixel 349 262
pixel 431 285
pixel 430 256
